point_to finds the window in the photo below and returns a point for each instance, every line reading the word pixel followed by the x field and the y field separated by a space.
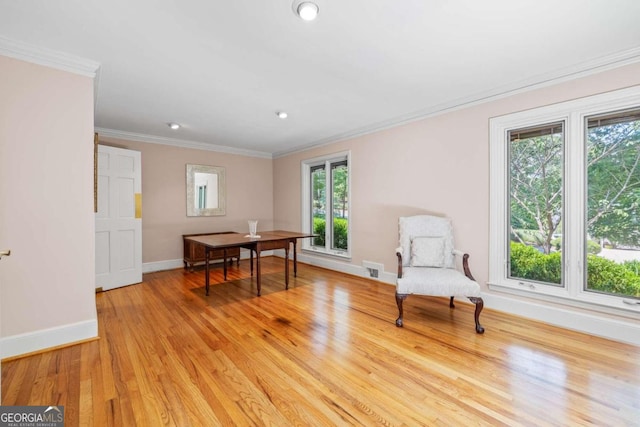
pixel 535 203
pixel 613 203
pixel 565 201
pixel 325 198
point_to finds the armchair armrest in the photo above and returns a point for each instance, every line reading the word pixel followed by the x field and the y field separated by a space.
pixel 465 263
pixel 399 254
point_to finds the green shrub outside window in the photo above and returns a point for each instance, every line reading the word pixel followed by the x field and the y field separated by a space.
pixel 340 226
pixel 604 275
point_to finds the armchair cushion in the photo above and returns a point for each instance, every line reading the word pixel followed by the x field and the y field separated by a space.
pixel 427 252
pixel 426 226
pixel 446 282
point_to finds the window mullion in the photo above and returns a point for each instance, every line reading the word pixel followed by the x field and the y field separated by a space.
pixel 575 205
pixel 328 214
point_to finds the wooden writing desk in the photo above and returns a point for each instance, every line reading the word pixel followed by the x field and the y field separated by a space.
pixel 194 253
pixel 268 240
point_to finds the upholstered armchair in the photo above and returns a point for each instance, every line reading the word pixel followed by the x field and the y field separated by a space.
pixel 427 264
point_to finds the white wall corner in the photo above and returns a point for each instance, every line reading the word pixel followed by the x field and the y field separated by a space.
pixel 17 345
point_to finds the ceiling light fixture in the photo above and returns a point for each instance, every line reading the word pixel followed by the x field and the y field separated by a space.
pixel 307 10
pixel 282 114
pixel 174 126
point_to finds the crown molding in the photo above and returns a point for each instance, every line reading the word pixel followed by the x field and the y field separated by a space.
pixel 74 64
pixel 598 65
pixel 131 136
pixel 47 57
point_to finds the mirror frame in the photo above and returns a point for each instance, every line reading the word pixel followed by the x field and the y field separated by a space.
pixel 222 194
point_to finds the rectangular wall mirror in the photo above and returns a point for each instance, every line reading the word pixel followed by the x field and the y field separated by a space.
pixel 206 190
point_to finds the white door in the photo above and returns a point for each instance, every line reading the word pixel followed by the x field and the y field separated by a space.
pixel 119 219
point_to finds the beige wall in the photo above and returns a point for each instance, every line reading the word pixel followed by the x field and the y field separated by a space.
pixel 436 165
pixel 164 212
pixel 46 204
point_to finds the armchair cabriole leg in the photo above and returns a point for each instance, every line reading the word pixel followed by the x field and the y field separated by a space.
pixel 399 299
pixel 479 306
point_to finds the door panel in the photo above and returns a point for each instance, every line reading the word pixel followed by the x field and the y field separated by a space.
pixel 126 198
pixel 118 231
pixel 126 238
pixel 102 247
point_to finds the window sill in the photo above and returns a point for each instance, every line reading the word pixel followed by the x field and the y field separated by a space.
pixel 335 255
pixel 593 303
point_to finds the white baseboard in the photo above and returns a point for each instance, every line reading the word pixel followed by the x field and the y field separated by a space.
pixel 170 264
pixel 343 267
pixel 626 331
pixel 40 340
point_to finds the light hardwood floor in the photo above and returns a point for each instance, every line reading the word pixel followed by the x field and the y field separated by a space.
pixel 325 352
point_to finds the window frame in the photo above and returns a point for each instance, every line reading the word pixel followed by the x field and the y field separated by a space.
pixel 551 126
pixel 574 115
pixel 306 211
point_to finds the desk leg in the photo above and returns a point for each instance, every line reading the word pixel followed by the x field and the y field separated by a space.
pixel 206 277
pixel 295 259
pixel 224 262
pixel 251 260
pixel 286 267
pixel 257 267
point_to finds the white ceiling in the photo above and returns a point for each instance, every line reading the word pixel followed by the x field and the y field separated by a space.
pixel 223 68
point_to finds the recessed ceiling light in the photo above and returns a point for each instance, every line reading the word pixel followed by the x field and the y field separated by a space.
pixel 282 114
pixel 174 126
pixel 307 10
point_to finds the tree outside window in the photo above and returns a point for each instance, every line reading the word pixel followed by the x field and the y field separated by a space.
pixel 611 215
pixel 327 199
pixel 613 202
